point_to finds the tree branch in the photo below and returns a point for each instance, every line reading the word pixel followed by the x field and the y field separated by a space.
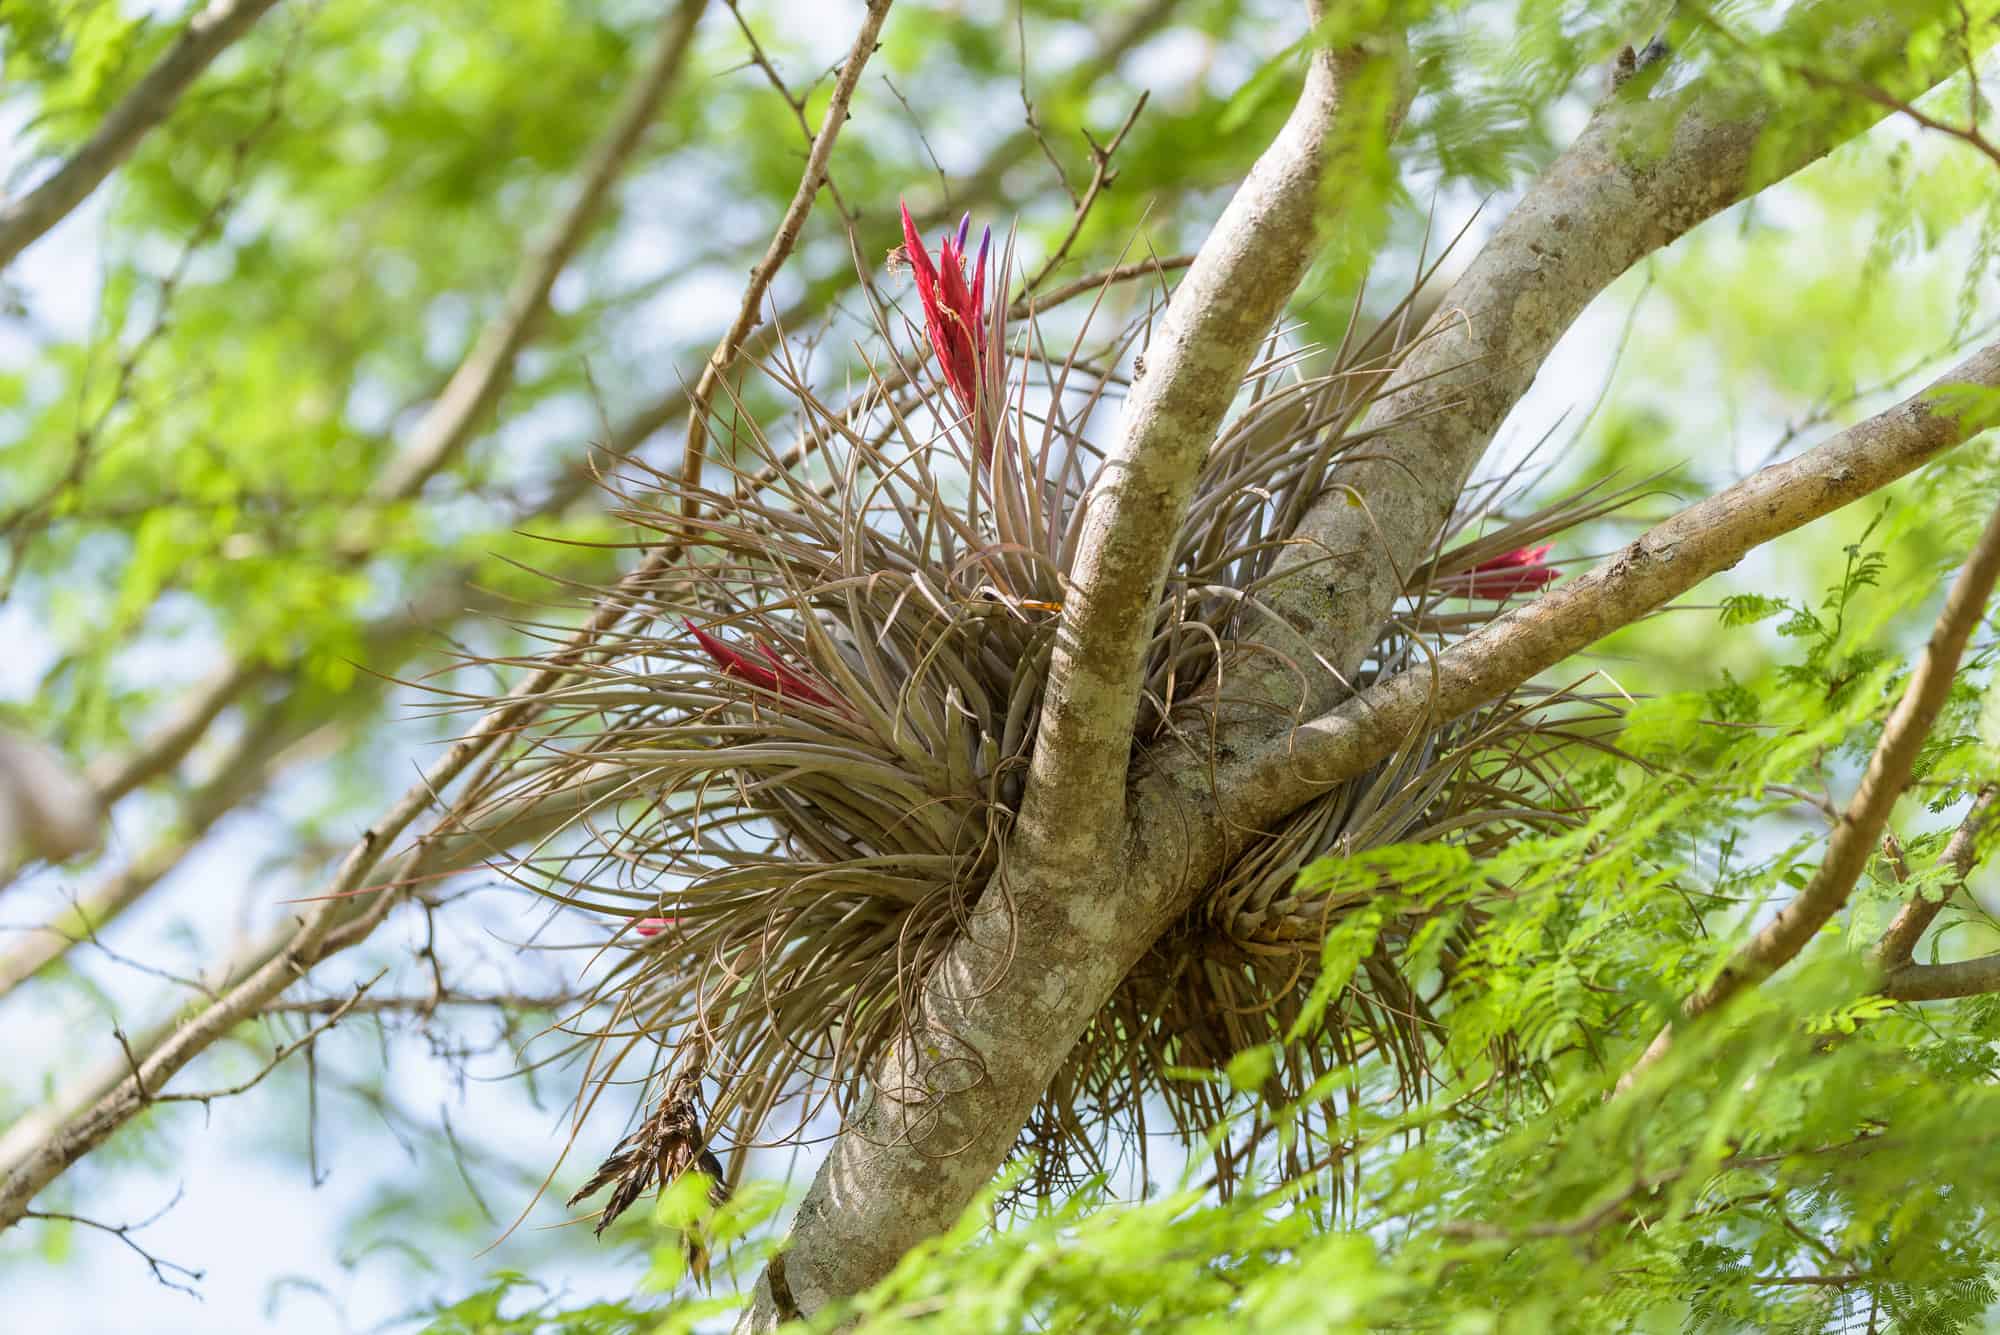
pixel 275 738
pixel 185 726
pixel 990 1033
pixel 1665 562
pixel 1218 318
pixel 36 1148
pixel 1867 813
pixel 207 35
pixel 169 1274
pixel 449 424
pixel 1940 982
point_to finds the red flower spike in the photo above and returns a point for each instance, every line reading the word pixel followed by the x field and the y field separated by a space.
pixel 777 678
pixel 653 926
pixel 954 314
pixel 1523 570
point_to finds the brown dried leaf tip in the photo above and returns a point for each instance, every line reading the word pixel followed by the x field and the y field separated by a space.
pixel 652 1158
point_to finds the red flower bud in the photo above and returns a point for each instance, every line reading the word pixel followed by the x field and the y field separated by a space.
pixel 954 313
pixel 772 675
pixel 1523 570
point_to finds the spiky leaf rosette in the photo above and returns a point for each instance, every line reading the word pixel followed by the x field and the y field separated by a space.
pixel 798 760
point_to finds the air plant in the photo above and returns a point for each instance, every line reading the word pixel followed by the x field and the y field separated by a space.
pixel 817 726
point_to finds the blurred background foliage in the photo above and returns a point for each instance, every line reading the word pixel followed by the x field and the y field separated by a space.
pixel 208 372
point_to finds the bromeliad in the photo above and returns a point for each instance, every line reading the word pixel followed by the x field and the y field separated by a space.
pixel 954 313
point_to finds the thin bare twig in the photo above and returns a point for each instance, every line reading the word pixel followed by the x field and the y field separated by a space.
pixel 1028 119
pixel 277 1058
pixel 169 1273
pixel 787 236
pixel 1101 177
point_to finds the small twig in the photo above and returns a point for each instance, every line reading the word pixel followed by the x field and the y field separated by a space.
pixel 339 1013
pixel 1894 858
pixel 124 1232
pixel 797 102
pixel 1816 1244
pixel 794 221
pixel 313 1174
pixel 1090 282
pixel 458 1161
pixel 1028 108
pixel 1101 178
pixel 131 1060
pixel 917 125
pixel 1817 801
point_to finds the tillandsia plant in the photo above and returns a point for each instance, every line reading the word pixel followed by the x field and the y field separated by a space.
pixel 796 774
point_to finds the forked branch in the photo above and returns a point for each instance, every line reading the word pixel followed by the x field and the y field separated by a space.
pixel 1665 562
pixel 1218 318
pixel 1644 172
pixel 1866 815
